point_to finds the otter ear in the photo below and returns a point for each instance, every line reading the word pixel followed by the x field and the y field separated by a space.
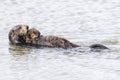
pixel 12 30
pixel 27 27
pixel 39 33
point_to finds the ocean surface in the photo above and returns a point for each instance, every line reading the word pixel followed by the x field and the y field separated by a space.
pixel 83 22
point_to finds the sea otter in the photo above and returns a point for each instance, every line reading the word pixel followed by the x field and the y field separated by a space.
pixel 23 35
pixel 31 35
pixel 34 37
pixel 17 34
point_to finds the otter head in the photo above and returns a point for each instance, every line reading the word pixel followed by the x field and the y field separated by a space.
pixel 17 33
pixel 32 34
pixel 22 29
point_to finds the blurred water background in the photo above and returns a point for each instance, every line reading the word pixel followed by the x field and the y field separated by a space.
pixel 83 22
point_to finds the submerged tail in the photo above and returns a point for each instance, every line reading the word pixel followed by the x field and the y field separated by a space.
pixel 98 46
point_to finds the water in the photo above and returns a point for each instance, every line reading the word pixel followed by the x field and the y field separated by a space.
pixel 83 22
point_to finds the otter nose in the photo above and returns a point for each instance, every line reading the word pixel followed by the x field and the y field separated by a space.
pixel 33 36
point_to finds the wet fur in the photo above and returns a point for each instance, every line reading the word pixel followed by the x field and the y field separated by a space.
pixel 47 41
pixel 98 46
pixel 21 34
pixel 53 41
pixel 31 35
pixel 17 34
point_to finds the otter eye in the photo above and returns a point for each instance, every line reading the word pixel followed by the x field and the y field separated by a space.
pixel 29 35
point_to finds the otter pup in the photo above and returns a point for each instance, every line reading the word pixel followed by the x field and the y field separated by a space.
pixel 33 37
pixel 17 34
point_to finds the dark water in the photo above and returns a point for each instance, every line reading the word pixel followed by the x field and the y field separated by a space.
pixel 83 22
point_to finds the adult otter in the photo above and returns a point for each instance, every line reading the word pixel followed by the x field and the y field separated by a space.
pixel 17 34
pixel 33 37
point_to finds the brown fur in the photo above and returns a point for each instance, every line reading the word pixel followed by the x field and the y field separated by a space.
pixel 32 34
pixel 48 41
pixel 54 41
pixel 21 34
pixel 17 34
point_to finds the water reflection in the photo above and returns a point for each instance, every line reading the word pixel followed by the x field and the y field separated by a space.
pixel 19 50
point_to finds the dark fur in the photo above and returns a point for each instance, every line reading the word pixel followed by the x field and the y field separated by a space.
pixel 47 41
pixel 98 46
pixel 53 41
pixel 31 35
pixel 17 34
pixel 21 34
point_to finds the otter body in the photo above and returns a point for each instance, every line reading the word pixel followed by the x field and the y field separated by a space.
pixel 34 37
pixel 53 41
pixel 17 34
